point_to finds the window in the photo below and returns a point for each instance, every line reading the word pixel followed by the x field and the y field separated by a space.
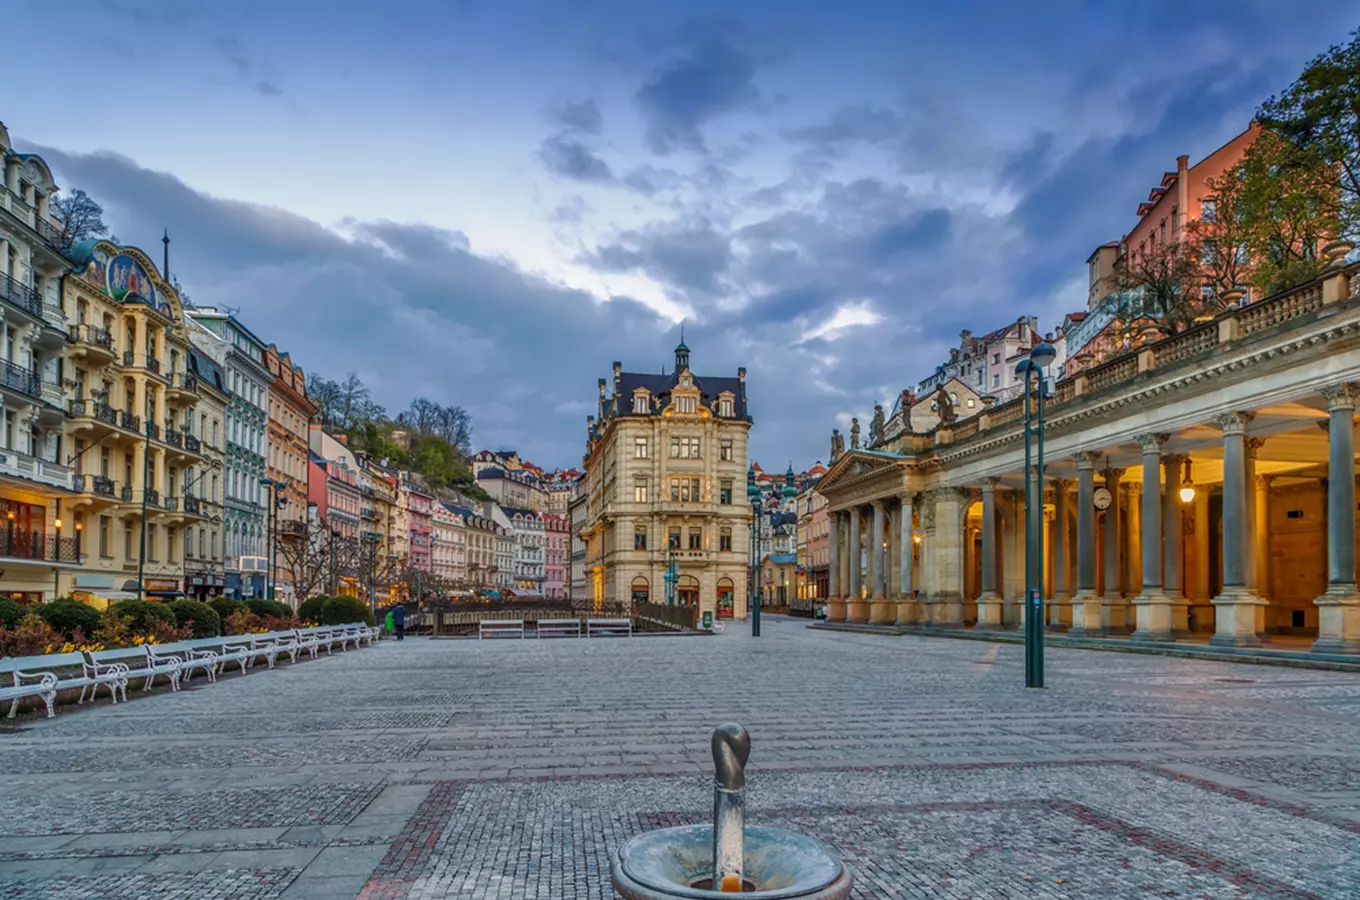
pixel 685 448
pixel 1175 222
pixel 685 490
pixel 640 538
pixel 1207 292
pixel 696 539
pixel 128 548
pixel 1208 210
pixel 686 404
pixel 725 451
pixel 640 404
pixel 104 538
pixel 640 448
pixel 1163 231
pixel 996 381
pixel 673 537
pixel 725 406
pixel 725 539
pixel 1208 252
pixel 640 489
pixel 1243 255
pixel 725 492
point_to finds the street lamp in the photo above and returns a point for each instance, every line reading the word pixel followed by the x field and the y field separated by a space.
pixel 753 494
pixel 1188 485
pixel 1039 356
pixel 271 527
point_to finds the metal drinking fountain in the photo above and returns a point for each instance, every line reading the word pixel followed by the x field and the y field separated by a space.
pixel 693 862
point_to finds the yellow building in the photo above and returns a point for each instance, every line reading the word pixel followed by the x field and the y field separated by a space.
pixel 135 425
pixel 666 490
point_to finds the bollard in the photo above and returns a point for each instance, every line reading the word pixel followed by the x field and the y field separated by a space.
pixel 731 749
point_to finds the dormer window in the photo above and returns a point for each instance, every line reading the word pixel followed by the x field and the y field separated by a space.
pixel 640 405
pixel 725 406
pixel 687 405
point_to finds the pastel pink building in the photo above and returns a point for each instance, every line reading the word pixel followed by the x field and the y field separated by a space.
pixel 420 510
pixel 555 545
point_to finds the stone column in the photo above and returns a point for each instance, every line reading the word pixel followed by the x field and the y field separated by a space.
pixel 1203 612
pixel 1152 608
pixel 947 611
pixel 1173 547
pixel 856 609
pixel 907 612
pixel 990 605
pixel 1112 608
pixel 835 603
pixel 1060 607
pixel 1253 447
pixel 1339 606
pixel 1235 610
pixel 1086 608
pixel 881 611
pixel 1261 537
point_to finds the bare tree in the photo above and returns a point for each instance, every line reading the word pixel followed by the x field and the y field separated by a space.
pixel 452 423
pixel 1223 234
pixel 306 550
pixel 78 218
pixel 1170 279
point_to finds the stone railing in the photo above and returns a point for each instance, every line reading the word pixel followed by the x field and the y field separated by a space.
pixel 1276 310
pixel 21 465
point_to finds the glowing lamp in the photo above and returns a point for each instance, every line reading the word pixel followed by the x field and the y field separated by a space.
pixel 1188 488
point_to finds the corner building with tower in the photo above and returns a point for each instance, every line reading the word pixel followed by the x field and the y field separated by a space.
pixel 665 490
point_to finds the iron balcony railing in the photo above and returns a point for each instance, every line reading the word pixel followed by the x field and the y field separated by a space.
pixel 18 378
pixel 170 503
pixel 21 295
pixel 153 364
pixel 174 438
pixel 153 497
pixel 185 381
pixel 193 444
pixel 129 421
pixel 96 484
pixel 128 358
pixel 38 547
pixel 191 505
pixel 92 335
pixel 153 430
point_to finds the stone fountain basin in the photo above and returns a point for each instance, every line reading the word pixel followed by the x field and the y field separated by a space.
pixel 780 865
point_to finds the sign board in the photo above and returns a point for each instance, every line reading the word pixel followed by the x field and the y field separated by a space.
pixel 708 620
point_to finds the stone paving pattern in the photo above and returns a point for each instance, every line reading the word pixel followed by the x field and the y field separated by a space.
pixel 514 769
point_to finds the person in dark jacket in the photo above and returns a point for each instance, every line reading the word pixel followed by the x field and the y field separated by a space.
pixel 399 622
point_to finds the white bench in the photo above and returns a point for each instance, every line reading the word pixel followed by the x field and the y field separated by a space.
pixel 499 628
pixel 190 656
pixel 609 627
pixel 136 664
pixel 273 644
pixel 36 676
pixel 559 628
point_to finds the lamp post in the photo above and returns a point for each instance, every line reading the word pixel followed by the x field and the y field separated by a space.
pixel 1040 356
pixel 146 486
pixel 753 494
pixel 271 528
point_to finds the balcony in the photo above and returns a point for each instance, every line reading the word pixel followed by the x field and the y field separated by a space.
pixel 98 485
pixel 153 497
pixel 17 378
pixel 93 409
pixel 21 296
pixel 125 493
pixel 183 388
pixel 191 506
pixel 172 437
pixel 31 546
pixel 92 342
pixel 153 431
pixel 153 364
pixel 192 444
pixel 30 468
pixel 129 421
pixel 21 210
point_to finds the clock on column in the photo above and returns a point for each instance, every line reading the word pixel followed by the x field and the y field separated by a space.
pixel 1101 498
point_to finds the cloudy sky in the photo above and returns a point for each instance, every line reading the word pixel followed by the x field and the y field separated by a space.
pixel 489 201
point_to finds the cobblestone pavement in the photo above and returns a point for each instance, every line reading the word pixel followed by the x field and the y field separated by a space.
pixel 513 769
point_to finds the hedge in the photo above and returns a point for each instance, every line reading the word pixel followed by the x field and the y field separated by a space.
pixel 344 610
pixel 68 616
pixel 310 610
pixel 204 620
pixel 268 609
pixel 11 611
pixel 142 614
pixel 225 606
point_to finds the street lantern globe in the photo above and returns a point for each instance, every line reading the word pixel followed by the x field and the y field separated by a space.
pixel 1042 354
pixel 1023 367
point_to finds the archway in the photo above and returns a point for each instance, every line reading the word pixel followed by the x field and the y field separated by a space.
pixel 687 591
pixel 641 590
pixel 725 593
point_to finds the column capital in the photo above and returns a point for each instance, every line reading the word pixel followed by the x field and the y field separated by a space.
pixel 877 505
pixel 1234 422
pixel 1341 396
pixel 1112 475
pixel 1170 460
pixel 1265 481
pixel 1152 443
pixel 1087 460
pixel 1134 488
pixel 907 499
pixel 1060 484
pixel 989 484
pixel 1254 444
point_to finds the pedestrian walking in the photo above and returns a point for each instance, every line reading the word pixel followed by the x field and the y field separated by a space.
pixel 399 621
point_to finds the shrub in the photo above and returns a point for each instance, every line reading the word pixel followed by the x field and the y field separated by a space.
pixel 225 606
pixel 69 616
pixel 344 610
pixel 310 610
pixel 143 615
pixel 11 611
pixel 30 636
pixel 201 619
pixel 268 608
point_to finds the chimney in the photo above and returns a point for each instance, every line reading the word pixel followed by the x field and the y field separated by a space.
pixel 741 374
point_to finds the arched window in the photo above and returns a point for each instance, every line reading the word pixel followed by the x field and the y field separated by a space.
pixel 687 591
pixel 641 590
pixel 725 593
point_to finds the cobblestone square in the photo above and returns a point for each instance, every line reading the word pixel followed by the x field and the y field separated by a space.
pixel 514 769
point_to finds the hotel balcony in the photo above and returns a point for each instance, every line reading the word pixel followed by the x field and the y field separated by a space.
pixel 39 471
pixel 176 443
pixel 93 420
pixel 25 300
pixel 92 343
pixel 33 548
pixel 183 388
pixel 19 209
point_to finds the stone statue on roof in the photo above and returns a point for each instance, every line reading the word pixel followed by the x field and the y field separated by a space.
pixel 854 434
pixel 907 401
pixel 944 406
pixel 876 426
pixel 837 444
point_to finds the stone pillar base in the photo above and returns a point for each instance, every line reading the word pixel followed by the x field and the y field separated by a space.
pixel 1087 615
pixel 1059 613
pixel 1113 613
pixel 930 612
pixel 835 609
pixel 991 612
pixel 1152 613
pixel 1180 615
pixel 1338 620
pixel 948 612
pixel 881 612
pixel 908 611
pixel 1235 614
pixel 857 612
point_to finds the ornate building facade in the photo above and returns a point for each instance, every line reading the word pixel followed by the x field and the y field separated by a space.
pixel 665 485
pixel 1202 483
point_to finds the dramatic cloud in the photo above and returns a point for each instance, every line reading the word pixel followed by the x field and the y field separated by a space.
pixel 572 159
